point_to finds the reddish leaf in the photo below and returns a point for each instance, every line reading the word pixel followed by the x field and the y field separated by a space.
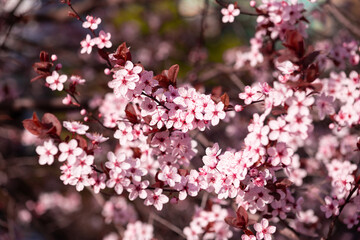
pixel 123 53
pixel 43 68
pixel 295 42
pixel 172 74
pixel 33 125
pixel 248 232
pixel 136 152
pixel 44 56
pixel 163 80
pixel 283 183
pixel 168 77
pixel 37 78
pixel 242 216
pixel 103 54
pixel 312 73
pixel 309 59
pixel 183 172
pixel 225 100
pixel 82 142
pixel 131 113
pixel 48 127
pixel 49 118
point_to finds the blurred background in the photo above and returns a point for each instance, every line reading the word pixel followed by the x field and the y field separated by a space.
pixel 34 204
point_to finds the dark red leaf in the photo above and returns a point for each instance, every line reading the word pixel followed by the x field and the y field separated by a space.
pixel 82 142
pixel 283 183
pixel 312 73
pixel 44 56
pixel 225 100
pixel 49 118
pixel 31 127
pixel 242 216
pixel 309 59
pixel 295 42
pixel 103 54
pixel 172 74
pixel 123 53
pixel 131 113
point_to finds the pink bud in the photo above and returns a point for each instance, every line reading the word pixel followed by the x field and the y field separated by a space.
pixel 53 58
pixel 238 108
pixel 67 100
pixel 83 112
pixel 331 126
pixel 107 71
pixel 58 66
pixel 252 3
pixel 86 119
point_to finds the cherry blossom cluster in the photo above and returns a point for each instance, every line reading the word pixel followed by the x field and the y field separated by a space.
pixel 276 18
pixel 341 91
pixel 101 41
pixel 209 224
pixel 55 201
pixel 116 210
pixel 138 231
pixel 150 120
pixel 338 54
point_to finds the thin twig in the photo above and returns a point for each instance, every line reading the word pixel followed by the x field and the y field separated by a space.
pixel 168 224
pixel 330 7
pixel 336 218
pixel 101 51
pixel 80 105
pixel 157 101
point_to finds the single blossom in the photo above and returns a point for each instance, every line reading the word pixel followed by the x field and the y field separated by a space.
pixel 229 13
pixel 87 44
pixel 76 127
pixel 263 230
pixel 103 40
pixel 47 152
pixel 156 198
pixel 56 81
pixel 69 151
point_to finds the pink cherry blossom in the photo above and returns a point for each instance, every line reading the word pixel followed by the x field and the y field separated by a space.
pixel 103 40
pixel 137 189
pixel 76 127
pixel 331 207
pixel 156 198
pixel 69 151
pixel 214 113
pixel 87 44
pixel 280 154
pixel 47 152
pixel 97 181
pixel 229 13
pixel 56 81
pixel 263 230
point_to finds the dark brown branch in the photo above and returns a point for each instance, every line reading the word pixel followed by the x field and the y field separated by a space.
pixel 336 218
pixel 341 18
pixel 80 105
pixel 102 52
pixel 157 101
